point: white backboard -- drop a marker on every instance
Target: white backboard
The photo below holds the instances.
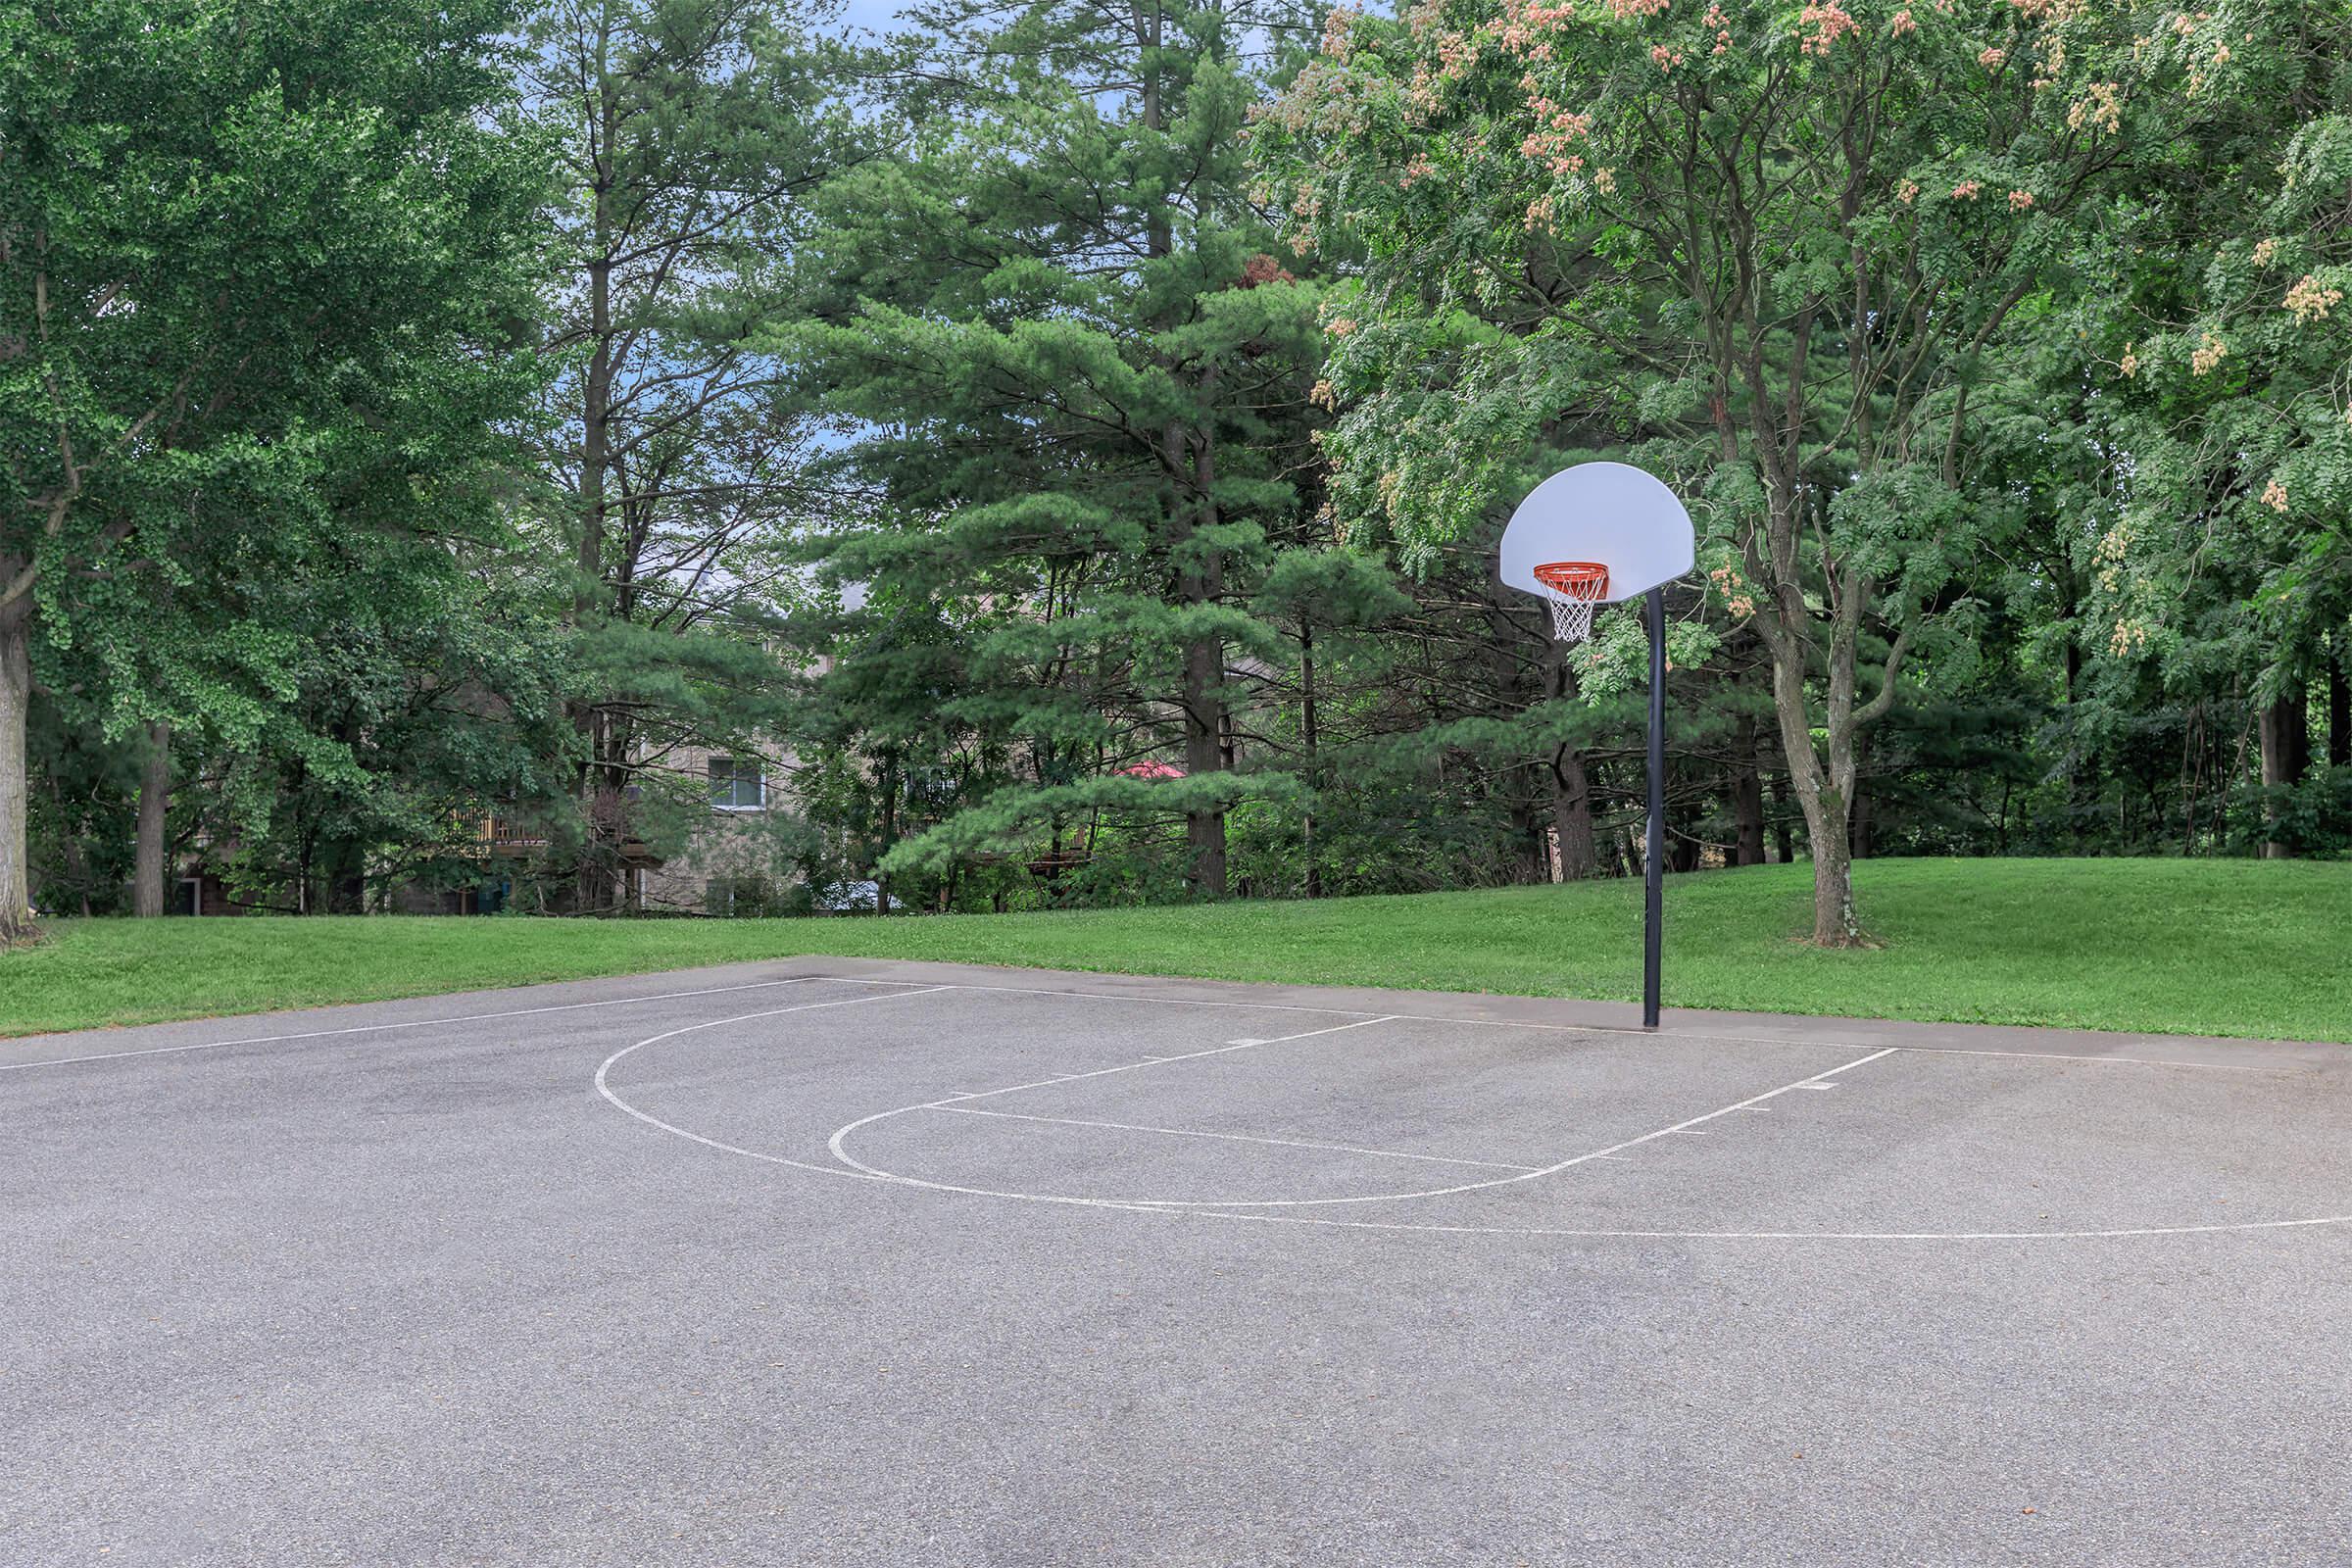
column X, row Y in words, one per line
column 1606, row 512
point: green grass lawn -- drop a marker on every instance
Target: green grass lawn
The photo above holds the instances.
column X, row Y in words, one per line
column 2204, row 947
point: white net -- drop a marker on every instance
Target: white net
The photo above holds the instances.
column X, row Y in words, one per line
column 1575, row 589
column 1571, row 618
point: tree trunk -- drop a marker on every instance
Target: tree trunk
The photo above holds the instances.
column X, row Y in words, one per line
column 1571, row 788
column 604, row 872
column 1683, row 849
column 1199, row 574
column 1204, row 715
column 1530, row 837
column 151, row 872
column 603, row 809
column 2285, row 755
column 1571, row 816
column 2339, row 703
column 2071, row 757
column 890, row 834
column 1199, row 580
column 1818, row 795
column 599, row 853
column 1857, row 809
column 15, row 699
column 69, row 849
column 1826, row 827
column 1314, row 776
column 1821, row 771
column 1686, row 848
column 1747, row 795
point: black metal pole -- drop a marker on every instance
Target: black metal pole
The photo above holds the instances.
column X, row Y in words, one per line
column 1654, row 860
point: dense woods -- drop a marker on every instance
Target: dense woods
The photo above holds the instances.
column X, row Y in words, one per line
column 1064, row 443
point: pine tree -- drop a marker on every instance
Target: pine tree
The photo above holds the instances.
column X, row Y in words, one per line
column 1084, row 381
column 689, row 134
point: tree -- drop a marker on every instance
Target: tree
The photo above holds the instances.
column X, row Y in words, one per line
column 1083, row 384
column 689, row 131
column 2221, row 565
column 424, row 704
column 1775, row 257
column 232, row 246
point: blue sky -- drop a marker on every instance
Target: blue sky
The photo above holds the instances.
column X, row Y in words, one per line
column 874, row 14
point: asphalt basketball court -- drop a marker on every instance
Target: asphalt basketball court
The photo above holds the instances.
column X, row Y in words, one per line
column 840, row 1263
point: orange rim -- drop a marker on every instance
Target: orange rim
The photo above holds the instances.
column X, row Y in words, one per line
column 1578, row 579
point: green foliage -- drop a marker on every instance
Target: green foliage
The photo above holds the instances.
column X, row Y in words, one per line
column 256, row 278
column 688, row 135
column 1845, row 278
column 258, row 265
column 468, row 412
column 1082, row 384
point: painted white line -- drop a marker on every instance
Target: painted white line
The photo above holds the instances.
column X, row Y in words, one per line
column 1743, row 1236
column 1131, row 1067
column 1166, row 1001
column 604, row 1087
column 841, row 1135
column 1233, row 1138
column 840, row 1139
column 1709, row 1035
column 1693, row 1125
column 2066, row 1055
column 1574, row 1233
column 422, row 1024
column 1712, row 1037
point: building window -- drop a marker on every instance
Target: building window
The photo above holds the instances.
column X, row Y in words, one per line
column 736, row 784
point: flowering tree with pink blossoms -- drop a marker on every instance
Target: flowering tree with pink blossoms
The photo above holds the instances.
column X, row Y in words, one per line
column 2222, row 559
column 1796, row 259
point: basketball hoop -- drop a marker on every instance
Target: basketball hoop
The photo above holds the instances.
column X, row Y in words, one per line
column 1574, row 588
column 1630, row 537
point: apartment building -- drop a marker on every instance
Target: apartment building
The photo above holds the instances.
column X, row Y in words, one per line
column 732, row 860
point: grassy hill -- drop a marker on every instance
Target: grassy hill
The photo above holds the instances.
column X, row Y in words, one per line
column 2204, row 947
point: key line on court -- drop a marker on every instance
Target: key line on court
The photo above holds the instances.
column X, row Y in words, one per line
column 1252, row 1212
column 856, row 1171
column 1694, row 1125
column 1236, row 1138
column 1172, row 1001
column 840, row 1137
column 1149, row 1061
